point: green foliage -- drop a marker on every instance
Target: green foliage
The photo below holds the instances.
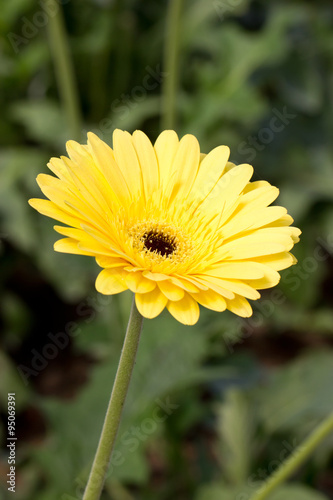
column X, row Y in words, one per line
column 237, row 396
column 42, row 120
column 299, row 394
column 221, row 491
column 235, row 426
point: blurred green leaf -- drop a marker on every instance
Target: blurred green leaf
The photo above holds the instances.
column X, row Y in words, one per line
column 240, row 63
column 10, row 381
column 298, row 393
column 43, row 120
column 236, row 427
column 17, row 318
column 218, row 491
column 297, row 493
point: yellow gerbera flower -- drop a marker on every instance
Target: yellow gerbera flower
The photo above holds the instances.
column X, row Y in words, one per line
column 176, row 227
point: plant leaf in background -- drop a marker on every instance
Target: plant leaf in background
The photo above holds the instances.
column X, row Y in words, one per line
column 222, row 491
column 243, row 388
column 236, row 427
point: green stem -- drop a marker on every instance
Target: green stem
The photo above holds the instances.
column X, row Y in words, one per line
column 296, row 459
column 64, row 68
column 171, row 66
column 113, row 414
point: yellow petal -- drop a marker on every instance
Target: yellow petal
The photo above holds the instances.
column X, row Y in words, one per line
column 50, row 209
column 86, row 174
column 186, row 284
column 150, row 304
column 240, row 306
column 104, row 159
column 59, row 194
column 268, row 216
column 110, row 281
column 55, row 190
column 138, row 283
column 155, row 276
column 133, row 269
column 295, row 233
column 185, row 311
column 79, row 155
column 215, row 284
column 69, row 231
column 229, row 166
column 166, row 146
column 171, row 291
column 255, row 249
column 96, row 248
column 258, row 243
column 255, row 185
column 76, row 208
column 228, row 188
column 148, row 162
column 186, row 280
column 238, row 287
column 105, row 261
column 268, row 281
column 210, row 170
column 237, row 270
column 84, row 240
column 278, row 261
column 285, row 220
column 251, row 220
column 127, row 160
column 91, row 185
column 292, row 232
column 69, row 245
column 210, row 299
column 106, row 242
column 58, row 167
column 258, row 194
column 185, row 167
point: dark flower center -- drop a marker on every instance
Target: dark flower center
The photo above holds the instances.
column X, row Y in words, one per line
column 159, row 242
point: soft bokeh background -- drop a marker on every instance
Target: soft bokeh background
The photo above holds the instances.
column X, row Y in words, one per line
column 213, row 409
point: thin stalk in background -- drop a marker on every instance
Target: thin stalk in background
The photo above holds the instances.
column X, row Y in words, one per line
column 64, row 69
column 113, row 414
column 171, row 64
column 296, row 459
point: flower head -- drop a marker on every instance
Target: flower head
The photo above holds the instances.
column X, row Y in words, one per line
column 176, row 227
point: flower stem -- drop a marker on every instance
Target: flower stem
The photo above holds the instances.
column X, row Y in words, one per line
column 113, row 414
column 64, row 69
column 171, row 53
column 296, row 459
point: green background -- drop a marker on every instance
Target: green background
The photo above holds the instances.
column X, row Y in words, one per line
column 213, row 409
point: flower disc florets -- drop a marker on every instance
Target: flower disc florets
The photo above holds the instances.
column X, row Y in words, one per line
column 159, row 244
